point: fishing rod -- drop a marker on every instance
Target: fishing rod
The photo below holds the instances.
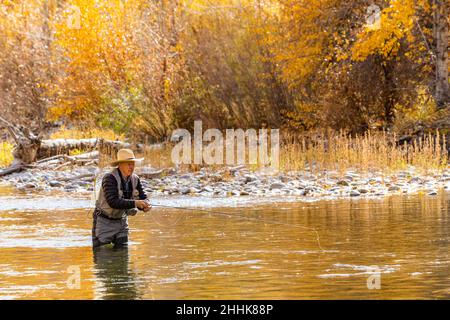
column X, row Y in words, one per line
column 245, row 218
column 237, row 216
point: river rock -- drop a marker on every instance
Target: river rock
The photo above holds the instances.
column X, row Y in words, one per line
column 194, row 190
column 55, row 184
column 208, row 189
column 285, row 179
column 343, row 183
column 355, row 193
column 69, row 187
column 235, row 193
column 253, row 183
column 23, row 179
column 277, row 185
column 299, row 192
column 184, row 190
column 250, row 178
column 216, row 177
column 415, row 180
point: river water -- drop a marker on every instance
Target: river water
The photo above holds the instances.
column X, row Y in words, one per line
column 391, row 248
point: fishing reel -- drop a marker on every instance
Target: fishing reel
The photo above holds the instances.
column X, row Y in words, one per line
column 131, row 212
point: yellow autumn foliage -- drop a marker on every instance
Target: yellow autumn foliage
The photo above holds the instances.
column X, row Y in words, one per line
column 396, row 23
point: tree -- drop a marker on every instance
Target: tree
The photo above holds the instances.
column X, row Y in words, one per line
column 441, row 21
column 350, row 72
column 25, row 56
column 116, row 65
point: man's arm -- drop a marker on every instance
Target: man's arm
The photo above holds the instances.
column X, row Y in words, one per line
column 142, row 194
column 109, row 184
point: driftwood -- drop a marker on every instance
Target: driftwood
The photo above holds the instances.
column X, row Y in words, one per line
column 56, row 147
column 51, row 148
column 81, row 159
column 87, row 175
column 11, row 169
column 31, row 151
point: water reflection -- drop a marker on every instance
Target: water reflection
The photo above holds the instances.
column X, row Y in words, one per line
column 207, row 256
column 114, row 274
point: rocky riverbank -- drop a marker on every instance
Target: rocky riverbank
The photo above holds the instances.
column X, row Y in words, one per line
column 240, row 182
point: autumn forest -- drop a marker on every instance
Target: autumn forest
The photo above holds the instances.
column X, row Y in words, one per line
column 146, row 67
column 334, row 182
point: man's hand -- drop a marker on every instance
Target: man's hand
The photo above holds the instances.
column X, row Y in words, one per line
column 149, row 206
column 142, row 205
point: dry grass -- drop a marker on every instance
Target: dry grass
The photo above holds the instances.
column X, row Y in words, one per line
column 155, row 157
column 78, row 133
column 336, row 151
column 332, row 151
column 369, row 152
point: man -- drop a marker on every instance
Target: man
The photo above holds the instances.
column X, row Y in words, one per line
column 121, row 195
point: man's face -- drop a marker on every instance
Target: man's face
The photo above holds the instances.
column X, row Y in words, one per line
column 126, row 168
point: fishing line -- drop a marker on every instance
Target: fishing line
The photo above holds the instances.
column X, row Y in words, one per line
column 226, row 215
column 247, row 218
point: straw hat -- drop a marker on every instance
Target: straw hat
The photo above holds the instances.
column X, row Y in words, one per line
column 125, row 155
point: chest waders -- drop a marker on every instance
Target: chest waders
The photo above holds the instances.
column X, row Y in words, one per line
column 109, row 224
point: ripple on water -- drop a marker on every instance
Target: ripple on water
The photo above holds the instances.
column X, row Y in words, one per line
column 39, row 237
column 20, row 291
column 365, row 270
column 250, row 259
column 43, row 203
column 219, row 263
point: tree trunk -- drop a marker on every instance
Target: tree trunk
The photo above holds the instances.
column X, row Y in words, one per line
column 389, row 94
column 26, row 149
column 441, row 37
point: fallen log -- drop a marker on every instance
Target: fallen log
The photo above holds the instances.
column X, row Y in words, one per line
column 55, row 147
column 81, row 176
column 109, row 148
column 84, row 157
column 12, row 168
column 50, row 159
column 87, row 155
column 31, row 149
